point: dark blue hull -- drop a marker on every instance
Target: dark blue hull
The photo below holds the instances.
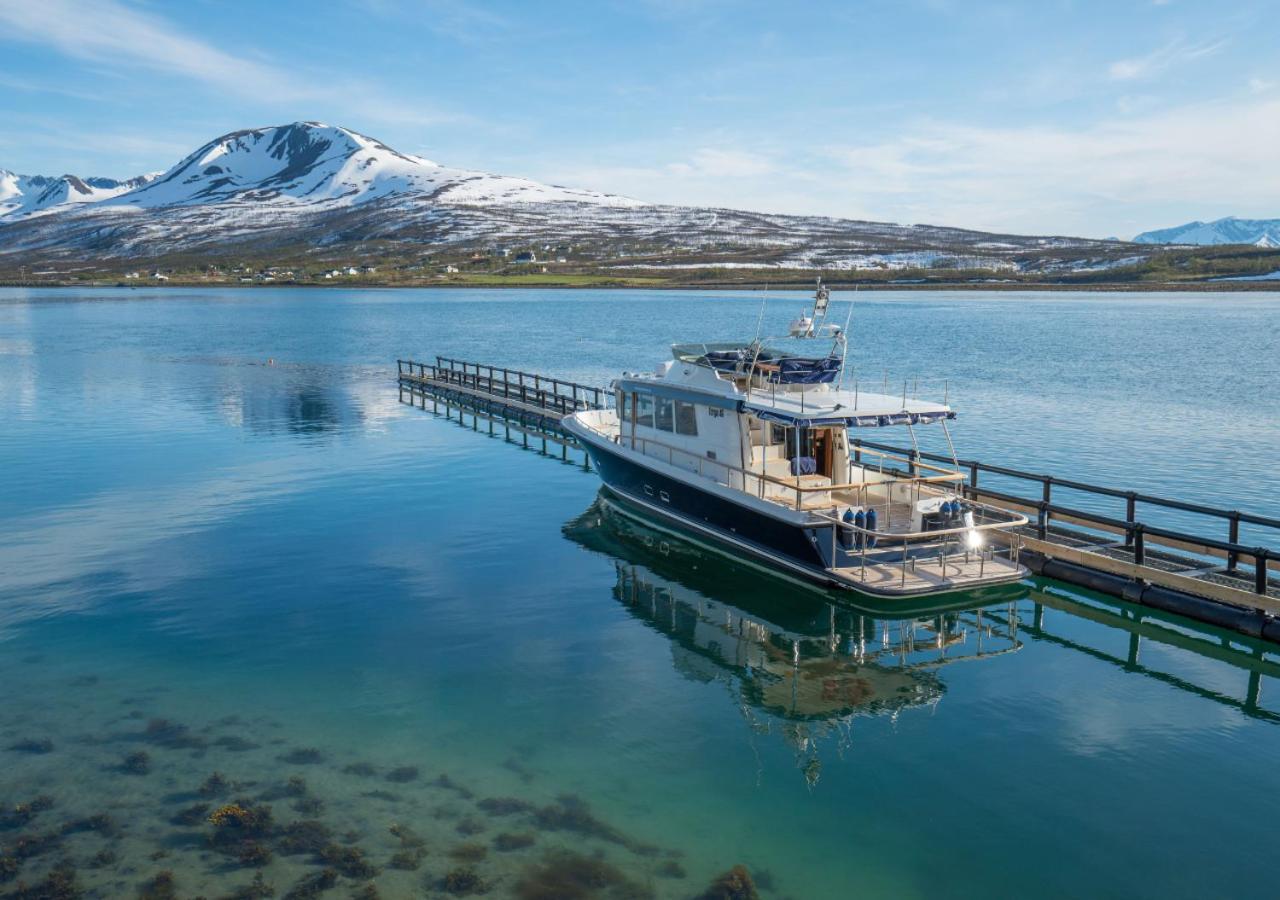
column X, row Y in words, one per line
column 801, row 549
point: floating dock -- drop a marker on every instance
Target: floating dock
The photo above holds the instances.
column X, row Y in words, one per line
column 1208, row 577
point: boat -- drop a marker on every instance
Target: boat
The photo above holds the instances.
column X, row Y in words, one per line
column 750, row 446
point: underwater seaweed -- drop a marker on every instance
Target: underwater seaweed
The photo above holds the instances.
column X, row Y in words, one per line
column 242, row 816
column 672, row 869
column 258, row 889
column 408, row 860
column 192, row 815
column 102, row 823
column 160, row 886
column 309, row 806
column 463, row 882
column 235, row 743
column 524, row 772
column 136, row 763
column 366, row 892
column 571, row 813
column 216, row 785
column 362, row 769
column 60, row 884
column 304, row 836
column 313, row 885
column 296, row 786
column 407, row 836
column 444, row 781
column 469, row 826
column 507, row 841
column 735, row 884
column 350, row 861
column 302, row 756
column 172, row 735
column 504, row 806
column 103, row 858
column 28, row 846
column 403, row 774
column 253, row 854
column 22, row 813
column 565, row 875
column 36, row 746
column 470, row 852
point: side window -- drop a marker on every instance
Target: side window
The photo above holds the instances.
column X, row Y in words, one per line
column 644, row 410
column 624, row 407
column 686, row 419
column 666, row 415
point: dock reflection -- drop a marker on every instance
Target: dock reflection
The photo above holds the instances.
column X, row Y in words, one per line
column 805, row 664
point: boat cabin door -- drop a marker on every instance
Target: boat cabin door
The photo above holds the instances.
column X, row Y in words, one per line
column 817, row 443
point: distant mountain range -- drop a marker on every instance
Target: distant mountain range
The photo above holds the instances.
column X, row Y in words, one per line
column 330, row 192
column 1259, row 232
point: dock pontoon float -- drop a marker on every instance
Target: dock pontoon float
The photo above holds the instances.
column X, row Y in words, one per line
column 748, row 445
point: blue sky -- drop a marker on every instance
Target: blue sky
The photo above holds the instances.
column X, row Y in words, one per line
column 1090, row 118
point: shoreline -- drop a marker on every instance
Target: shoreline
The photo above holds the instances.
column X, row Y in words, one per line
column 1270, row 286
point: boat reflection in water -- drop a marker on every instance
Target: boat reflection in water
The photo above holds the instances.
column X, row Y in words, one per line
column 800, row 662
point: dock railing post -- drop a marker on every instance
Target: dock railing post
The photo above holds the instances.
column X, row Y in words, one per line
column 1260, row 556
column 1234, row 537
column 1042, row 521
column 1130, row 513
column 1139, row 544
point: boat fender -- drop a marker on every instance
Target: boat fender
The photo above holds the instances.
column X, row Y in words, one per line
column 861, row 521
column 847, row 536
column 871, row 526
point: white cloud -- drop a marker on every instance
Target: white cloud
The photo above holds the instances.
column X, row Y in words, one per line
column 715, row 163
column 1094, row 180
column 106, row 31
column 1171, row 54
column 1114, row 177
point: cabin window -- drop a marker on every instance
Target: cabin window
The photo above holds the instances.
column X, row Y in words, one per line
column 624, row 408
column 666, row 415
column 686, row 419
column 644, row 410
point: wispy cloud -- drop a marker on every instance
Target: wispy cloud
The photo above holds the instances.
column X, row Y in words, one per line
column 711, row 162
column 1199, row 158
column 1172, row 54
column 107, row 31
column 460, row 20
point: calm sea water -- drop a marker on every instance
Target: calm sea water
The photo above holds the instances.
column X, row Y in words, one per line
column 215, row 511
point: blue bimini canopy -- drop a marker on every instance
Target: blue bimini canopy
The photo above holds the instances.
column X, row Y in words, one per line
column 798, row 370
column 853, row 421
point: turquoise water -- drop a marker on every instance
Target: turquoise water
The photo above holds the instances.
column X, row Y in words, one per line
column 215, row 511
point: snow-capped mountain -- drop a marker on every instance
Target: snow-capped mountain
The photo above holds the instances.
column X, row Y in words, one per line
column 317, row 165
column 1259, row 232
column 22, row 195
column 312, row 188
